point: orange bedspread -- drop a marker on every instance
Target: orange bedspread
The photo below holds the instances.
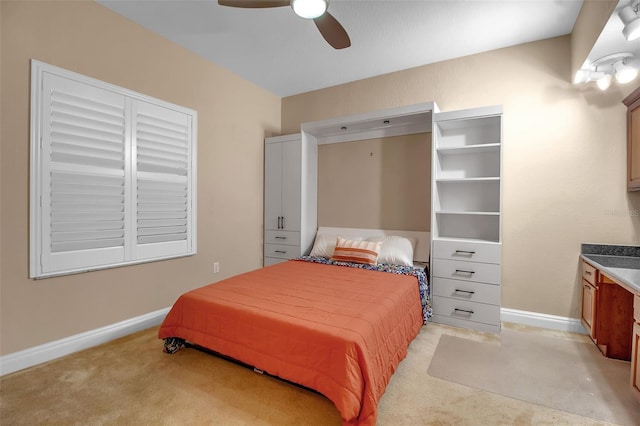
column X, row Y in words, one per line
column 341, row 331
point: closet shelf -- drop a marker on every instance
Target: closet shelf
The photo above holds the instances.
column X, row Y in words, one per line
column 472, row 179
column 466, row 217
column 469, row 213
column 468, row 240
column 469, row 149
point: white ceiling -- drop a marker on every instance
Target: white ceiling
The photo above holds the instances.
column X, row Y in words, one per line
column 286, row 54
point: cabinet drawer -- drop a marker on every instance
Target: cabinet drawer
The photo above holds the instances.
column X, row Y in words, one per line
column 589, row 273
column 467, row 291
column 268, row 261
column 467, row 250
column 467, row 271
column 281, row 251
column 465, row 310
column 288, row 238
column 636, row 308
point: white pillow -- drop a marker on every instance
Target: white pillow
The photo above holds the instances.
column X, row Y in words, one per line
column 325, row 244
column 395, row 250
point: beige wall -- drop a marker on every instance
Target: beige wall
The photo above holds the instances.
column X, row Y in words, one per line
column 564, row 162
column 234, row 117
column 382, row 183
column 564, row 157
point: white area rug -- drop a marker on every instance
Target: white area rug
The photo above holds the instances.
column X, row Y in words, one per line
column 559, row 373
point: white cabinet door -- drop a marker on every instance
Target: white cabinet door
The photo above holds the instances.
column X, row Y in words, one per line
column 282, row 185
column 291, row 184
column 272, row 185
column 290, row 196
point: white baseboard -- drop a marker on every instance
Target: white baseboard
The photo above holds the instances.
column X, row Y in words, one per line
column 56, row 349
column 536, row 319
column 59, row 348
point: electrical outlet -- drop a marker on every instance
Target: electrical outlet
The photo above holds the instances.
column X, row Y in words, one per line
column 216, row 267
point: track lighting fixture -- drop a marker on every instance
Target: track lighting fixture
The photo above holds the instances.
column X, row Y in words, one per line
column 603, row 70
column 630, row 17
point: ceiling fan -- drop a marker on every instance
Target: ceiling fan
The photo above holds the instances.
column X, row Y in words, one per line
column 328, row 26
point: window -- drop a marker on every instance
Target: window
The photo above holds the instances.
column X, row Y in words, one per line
column 113, row 175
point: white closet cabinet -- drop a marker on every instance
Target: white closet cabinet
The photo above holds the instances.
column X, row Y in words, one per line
column 290, row 196
column 466, row 218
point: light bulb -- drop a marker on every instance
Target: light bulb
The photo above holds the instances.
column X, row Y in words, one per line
column 582, row 76
column 625, row 74
column 604, row 82
column 309, row 9
column 631, row 21
column 632, row 31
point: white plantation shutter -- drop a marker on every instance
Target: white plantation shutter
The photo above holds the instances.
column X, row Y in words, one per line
column 163, row 192
column 83, row 164
column 112, row 175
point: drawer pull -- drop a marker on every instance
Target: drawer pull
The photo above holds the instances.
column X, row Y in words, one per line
column 280, row 238
column 467, row 293
column 587, row 272
column 465, row 252
column 462, row 271
column 281, row 251
column 467, row 312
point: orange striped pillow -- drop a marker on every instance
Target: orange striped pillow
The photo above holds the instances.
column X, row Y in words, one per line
column 357, row 251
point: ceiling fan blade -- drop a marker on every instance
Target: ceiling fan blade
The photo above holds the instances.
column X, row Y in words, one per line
column 252, row 4
column 332, row 31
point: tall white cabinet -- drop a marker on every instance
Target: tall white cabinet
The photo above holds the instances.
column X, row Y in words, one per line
column 290, row 196
column 466, row 218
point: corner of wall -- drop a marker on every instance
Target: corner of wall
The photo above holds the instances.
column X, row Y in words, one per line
column 591, row 20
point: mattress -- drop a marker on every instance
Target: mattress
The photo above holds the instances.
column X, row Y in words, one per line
column 339, row 330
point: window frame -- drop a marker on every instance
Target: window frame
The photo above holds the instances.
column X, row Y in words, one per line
column 40, row 217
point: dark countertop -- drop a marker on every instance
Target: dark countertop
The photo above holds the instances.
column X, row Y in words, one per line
column 626, row 262
column 620, row 263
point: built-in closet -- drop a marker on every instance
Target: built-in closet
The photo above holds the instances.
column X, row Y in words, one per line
column 466, row 188
column 290, row 196
column 466, row 249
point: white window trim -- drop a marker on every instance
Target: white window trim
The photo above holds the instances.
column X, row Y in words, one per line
column 38, row 183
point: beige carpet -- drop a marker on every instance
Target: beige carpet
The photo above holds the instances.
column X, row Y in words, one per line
column 130, row 381
column 564, row 374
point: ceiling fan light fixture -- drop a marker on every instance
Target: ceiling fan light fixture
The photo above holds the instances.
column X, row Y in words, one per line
column 309, row 9
column 629, row 17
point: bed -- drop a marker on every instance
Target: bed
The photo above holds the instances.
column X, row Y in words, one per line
column 330, row 322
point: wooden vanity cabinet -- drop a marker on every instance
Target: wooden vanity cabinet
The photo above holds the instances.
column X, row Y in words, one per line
column 589, row 298
column 635, row 349
column 633, row 140
column 614, row 328
column 635, row 361
column 611, row 316
column 606, row 312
